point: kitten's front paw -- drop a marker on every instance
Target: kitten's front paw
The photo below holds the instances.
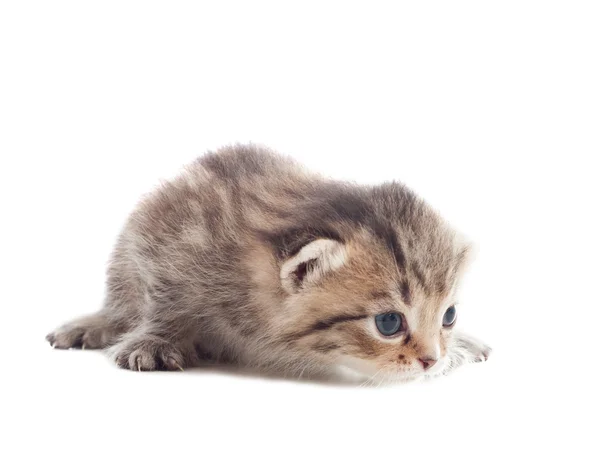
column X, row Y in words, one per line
column 482, row 354
column 147, row 353
column 92, row 332
column 465, row 349
column 474, row 350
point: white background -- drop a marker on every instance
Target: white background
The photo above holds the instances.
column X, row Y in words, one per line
column 490, row 110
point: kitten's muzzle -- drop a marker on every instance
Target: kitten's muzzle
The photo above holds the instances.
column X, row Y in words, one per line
column 427, row 362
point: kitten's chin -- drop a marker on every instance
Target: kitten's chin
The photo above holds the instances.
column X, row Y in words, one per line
column 351, row 370
column 347, row 375
column 436, row 370
column 358, row 371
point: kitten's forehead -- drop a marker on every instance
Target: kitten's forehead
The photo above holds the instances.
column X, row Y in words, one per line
column 427, row 253
column 411, row 272
column 423, row 309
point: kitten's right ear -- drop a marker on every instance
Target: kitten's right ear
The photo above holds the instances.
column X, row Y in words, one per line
column 311, row 263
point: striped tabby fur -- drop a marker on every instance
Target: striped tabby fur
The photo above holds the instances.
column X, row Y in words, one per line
column 248, row 258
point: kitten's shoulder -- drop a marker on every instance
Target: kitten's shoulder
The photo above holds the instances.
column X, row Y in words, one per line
column 247, row 160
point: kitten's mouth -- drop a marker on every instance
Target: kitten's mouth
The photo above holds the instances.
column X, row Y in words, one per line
column 366, row 373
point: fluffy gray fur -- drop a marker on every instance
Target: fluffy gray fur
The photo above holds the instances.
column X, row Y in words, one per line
column 248, row 258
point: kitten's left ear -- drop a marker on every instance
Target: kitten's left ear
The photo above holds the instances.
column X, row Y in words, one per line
column 465, row 252
column 311, row 263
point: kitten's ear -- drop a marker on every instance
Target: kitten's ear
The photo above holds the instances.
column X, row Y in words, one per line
column 465, row 252
column 311, row 263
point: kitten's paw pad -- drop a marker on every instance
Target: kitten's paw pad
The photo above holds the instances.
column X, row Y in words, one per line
column 147, row 355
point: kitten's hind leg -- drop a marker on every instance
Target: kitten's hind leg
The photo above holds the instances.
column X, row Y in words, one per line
column 92, row 331
column 465, row 349
column 145, row 350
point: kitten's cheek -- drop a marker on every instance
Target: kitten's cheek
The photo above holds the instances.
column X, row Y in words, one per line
column 349, row 375
column 355, row 367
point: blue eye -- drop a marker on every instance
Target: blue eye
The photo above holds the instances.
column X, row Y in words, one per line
column 449, row 317
column 389, row 323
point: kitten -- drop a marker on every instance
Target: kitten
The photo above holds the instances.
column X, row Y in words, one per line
column 248, row 258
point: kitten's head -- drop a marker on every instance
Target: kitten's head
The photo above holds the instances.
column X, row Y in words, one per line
column 378, row 300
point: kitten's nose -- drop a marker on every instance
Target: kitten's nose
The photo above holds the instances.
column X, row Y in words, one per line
column 427, row 362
